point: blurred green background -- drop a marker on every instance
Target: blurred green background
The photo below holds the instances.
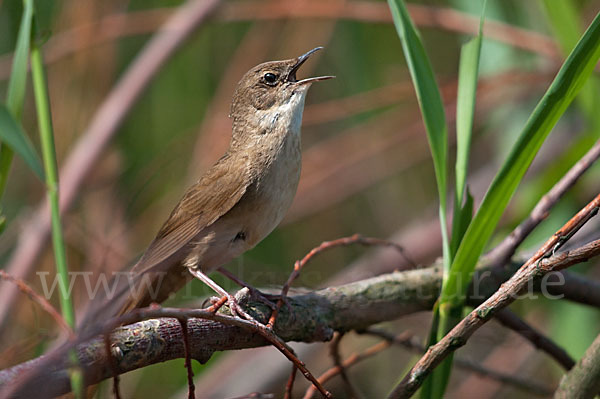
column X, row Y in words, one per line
column 366, row 168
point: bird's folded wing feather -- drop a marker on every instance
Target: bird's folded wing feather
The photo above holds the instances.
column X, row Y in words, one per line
column 210, row 198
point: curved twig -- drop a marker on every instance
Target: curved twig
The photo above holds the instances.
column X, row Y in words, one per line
column 326, row 245
column 506, row 249
column 538, row 265
column 40, row 300
column 537, row 339
column 414, row 345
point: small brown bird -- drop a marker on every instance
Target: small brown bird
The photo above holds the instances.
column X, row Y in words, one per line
column 240, row 200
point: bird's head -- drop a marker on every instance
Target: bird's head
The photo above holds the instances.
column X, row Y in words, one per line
column 271, row 85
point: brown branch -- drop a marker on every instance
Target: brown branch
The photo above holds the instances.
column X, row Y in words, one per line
column 413, row 344
column 267, row 333
column 502, row 253
column 578, row 288
column 167, row 330
column 424, row 240
column 537, row 339
column 102, row 128
column 312, row 317
column 538, row 265
column 583, row 380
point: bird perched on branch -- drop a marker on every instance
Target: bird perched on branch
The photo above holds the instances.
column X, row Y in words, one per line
column 238, row 201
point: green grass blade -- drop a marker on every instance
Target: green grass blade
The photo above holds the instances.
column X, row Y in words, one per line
column 40, row 90
column 430, row 102
column 50, row 166
column 462, row 218
column 13, row 136
column 432, row 109
column 565, row 21
column 15, row 95
column 463, row 210
column 468, row 72
column 568, row 82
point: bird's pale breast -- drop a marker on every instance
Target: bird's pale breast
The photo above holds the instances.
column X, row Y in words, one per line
column 266, row 200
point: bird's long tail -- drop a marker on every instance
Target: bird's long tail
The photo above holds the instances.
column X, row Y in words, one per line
column 131, row 291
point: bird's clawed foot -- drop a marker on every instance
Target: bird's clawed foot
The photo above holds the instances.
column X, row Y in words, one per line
column 273, row 301
column 227, row 298
column 234, row 307
column 267, row 299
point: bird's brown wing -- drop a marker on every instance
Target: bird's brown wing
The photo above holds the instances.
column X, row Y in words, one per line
column 210, row 198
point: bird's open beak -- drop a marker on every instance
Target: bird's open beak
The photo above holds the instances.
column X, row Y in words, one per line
column 299, row 61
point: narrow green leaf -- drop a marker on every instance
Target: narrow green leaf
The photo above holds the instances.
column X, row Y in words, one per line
column 430, row 102
column 18, row 76
column 461, row 222
column 465, row 110
column 565, row 21
column 462, row 215
column 13, row 136
column 568, row 82
column 15, row 95
column 564, row 18
column 2, row 223
column 468, row 73
column 44, row 117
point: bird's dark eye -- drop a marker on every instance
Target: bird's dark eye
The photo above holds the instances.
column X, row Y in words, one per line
column 270, row 78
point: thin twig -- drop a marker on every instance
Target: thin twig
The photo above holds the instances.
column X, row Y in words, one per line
column 289, row 386
column 344, row 241
column 256, row 395
column 539, row 340
column 113, row 365
column 413, row 344
column 217, row 304
column 289, row 353
column 337, row 362
column 539, row 264
column 350, row 361
column 40, row 300
column 506, row 249
column 188, row 358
